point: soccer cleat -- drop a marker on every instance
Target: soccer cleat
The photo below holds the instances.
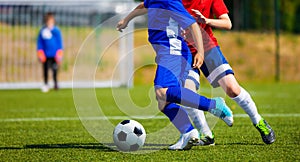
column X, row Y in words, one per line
column 266, row 132
column 222, row 111
column 206, row 141
column 186, row 141
column 45, row 88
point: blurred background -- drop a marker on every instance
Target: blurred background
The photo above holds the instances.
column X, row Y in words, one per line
column 263, row 45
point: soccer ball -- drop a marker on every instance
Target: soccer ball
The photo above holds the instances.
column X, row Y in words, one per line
column 129, row 135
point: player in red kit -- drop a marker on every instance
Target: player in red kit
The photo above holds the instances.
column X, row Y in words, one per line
column 214, row 13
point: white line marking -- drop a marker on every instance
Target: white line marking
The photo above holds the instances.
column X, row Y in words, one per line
column 122, row 117
column 267, row 115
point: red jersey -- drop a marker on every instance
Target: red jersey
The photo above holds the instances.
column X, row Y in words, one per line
column 209, row 9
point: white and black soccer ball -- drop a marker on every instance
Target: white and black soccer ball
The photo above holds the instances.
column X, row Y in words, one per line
column 129, row 135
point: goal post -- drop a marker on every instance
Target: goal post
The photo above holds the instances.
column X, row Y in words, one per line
column 126, row 51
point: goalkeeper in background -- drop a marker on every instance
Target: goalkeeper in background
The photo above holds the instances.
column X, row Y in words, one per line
column 49, row 49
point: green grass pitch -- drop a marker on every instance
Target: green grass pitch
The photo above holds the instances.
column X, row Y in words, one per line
column 29, row 131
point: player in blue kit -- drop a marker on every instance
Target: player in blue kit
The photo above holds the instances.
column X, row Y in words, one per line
column 173, row 58
column 50, row 49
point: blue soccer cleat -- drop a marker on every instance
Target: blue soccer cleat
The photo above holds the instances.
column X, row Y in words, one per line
column 222, row 111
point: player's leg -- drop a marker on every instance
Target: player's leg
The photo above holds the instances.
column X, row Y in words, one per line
column 198, row 116
column 179, row 118
column 240, row 96
column 218, row 72
column 170, row 72
column 216, row 106
column 45, row 65
column 244, row 100
column 186, row 97
column 45, row 71
column 177, row 115
column 54, row 68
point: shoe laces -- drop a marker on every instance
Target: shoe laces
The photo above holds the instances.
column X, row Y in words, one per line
column 263, row 127
column 220, row 103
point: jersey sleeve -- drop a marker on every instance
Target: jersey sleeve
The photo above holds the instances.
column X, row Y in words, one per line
column 219, row 8
column 180, row 14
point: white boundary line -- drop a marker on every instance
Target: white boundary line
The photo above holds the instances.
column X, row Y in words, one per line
column 121, row 118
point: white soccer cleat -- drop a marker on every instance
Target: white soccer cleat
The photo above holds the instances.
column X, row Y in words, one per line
column 45, row 88
column 186, row 141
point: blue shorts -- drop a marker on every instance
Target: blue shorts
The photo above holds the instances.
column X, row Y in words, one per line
column 214, row 68
column 172, row 70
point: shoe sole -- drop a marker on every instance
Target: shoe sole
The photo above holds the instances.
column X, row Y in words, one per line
column 192, row 142
column 267, row 141
column 199, row 144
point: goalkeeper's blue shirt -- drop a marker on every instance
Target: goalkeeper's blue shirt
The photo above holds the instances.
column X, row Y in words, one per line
column 50, row 41
column 166, row 18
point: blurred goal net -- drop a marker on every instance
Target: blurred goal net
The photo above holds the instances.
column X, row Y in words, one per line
column 91, row 43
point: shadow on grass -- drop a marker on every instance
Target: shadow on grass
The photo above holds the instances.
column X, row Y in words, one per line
column 241, row 144
column 151, row 146
column 106, row 147
column 147, row 146
column 99, row 146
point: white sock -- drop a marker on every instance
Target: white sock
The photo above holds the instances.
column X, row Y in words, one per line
column 199, row 120
column 245, row 101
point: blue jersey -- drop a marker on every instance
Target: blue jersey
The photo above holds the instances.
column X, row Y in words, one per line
column 50, row 41
column 166, row 18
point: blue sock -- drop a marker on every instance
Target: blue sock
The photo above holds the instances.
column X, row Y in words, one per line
column 179, row 117
column 189, row 98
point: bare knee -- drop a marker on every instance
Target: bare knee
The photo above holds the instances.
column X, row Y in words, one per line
column 232, row 90
column 230, row 86
column 161, row 98
column 189, row 84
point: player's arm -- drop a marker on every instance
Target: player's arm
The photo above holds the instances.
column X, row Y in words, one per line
column 223, row 21
column 40, row 49
column 197, row 36
column 138, row 11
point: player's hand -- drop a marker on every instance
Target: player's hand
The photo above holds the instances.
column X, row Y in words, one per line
column 58, row 57
column 200, row 18
column 122, row 24
column 41, row 56
column 198, row 60
column 42, row 59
